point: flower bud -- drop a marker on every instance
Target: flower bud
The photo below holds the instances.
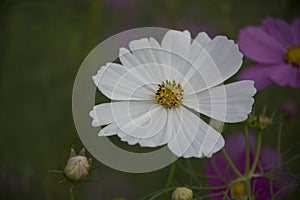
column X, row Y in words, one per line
column 182, row 193
column 77, row 167
column 263, row 122
column 251, row 119
column 260, row 122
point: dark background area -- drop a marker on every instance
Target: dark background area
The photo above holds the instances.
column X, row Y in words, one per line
column 42, row 45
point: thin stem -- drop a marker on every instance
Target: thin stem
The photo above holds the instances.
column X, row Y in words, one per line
column 247, row 164
column 292, row 159
column 71, row 193
column 170, row 179
column 236, row 171
column 155, row 195
column 257, row 153
column 189, row 171
column 55, row 171
column 279, row 143
column 171, row 174
column 247, row 142
column 208, row 187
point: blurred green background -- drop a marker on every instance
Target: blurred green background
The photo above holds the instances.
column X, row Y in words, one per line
column 42, row 45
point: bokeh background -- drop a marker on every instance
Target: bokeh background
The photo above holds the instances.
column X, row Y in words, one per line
column 42, row 45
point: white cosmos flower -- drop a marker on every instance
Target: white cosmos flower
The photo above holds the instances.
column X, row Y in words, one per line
column 160, row 90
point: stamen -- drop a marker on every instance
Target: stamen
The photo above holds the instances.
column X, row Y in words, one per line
column 239, row 189
column 169, row 94
column 292, row 55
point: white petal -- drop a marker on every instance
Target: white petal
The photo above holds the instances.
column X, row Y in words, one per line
column 120, row 83
column 162, row 137
column 135, row 122
column 143, row 51
column 178, row 43
column 107, row 113
column 127, row 59
column 198, row 45
column 226, row 103
column 113, row 129
column 109, row 130
column 145, row 125
column 146, row 51
column 173, row 54
column 194, row 138
column 216, row 61
column 148, row 129
column 175, row 50
column 160, row 53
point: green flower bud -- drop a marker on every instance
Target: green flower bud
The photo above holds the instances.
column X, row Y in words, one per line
column 251, row 119
column 182, row 193
column 263, row 122
column 77, row 167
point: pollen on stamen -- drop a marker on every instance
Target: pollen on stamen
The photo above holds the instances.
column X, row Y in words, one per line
column 169, row 94
column 239, row 189
column 292, row 55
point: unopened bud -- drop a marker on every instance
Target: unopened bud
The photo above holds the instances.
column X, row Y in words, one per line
column 251, row 119
column 77, row 167
column 260, row 122
column 182, row 193
column 263, row 122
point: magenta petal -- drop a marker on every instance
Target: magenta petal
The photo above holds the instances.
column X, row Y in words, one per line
column 259, row 74
column 278, row 29
column 256, row 44
column 219, row 173
column 215, row 170
column 296, row 31
column 269, row 158
column 235, row 145
column 217, row 194
column 218, row 167
column 261, row 187
column 286, row 74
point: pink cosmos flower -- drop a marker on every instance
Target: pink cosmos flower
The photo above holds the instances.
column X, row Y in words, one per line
column 220, row 174
column 275, row 45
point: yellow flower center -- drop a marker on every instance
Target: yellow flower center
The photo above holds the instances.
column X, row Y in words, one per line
column 239, row 189
column 169, row 94
column 292, row 55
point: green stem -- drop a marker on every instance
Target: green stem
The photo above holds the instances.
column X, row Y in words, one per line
column 247, row 165
column 55, row 171
column 247, row 142
column 257, row 153
column 71, row 193
column 171, row 174
column 279, row 143
column 236, row 171
column 170, row 179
